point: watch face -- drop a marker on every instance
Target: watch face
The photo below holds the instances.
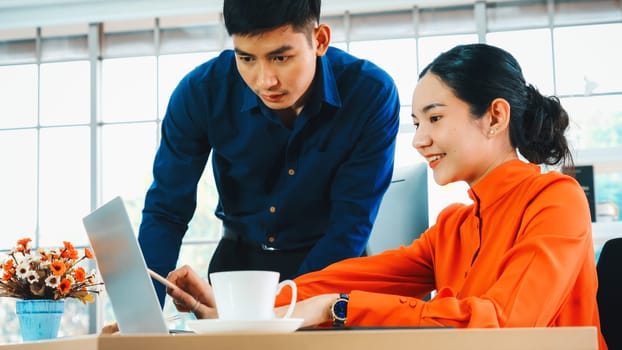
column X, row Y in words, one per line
column 340, row 308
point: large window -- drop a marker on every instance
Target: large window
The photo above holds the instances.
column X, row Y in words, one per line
column 532, row 49
column 81, row 107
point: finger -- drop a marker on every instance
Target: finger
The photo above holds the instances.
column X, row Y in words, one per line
column 182, row 279
column 196, row 306
column 184, row 302
column 181, row 296
column 204, row 311
column 110, row 329
column 183, row 275
column 180, row 307
column 190, row 282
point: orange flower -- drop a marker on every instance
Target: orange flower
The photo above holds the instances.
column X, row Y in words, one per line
column 6, row 276
column 88, row 253
column 24, row 241
column 58, row 268
column 68, row 245
column 65, row 286
column 79, row 274
column 69, row 251
column 22, row 245
column 8, row 265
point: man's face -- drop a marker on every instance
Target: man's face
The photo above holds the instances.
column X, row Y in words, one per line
column 279, row 65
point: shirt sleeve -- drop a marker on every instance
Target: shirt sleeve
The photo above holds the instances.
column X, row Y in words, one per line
column 536, row 275
column 171, row 200
column 359, row 183
column 395, row 272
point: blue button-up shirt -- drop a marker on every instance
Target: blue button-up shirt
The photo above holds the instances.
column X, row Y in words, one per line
column 316, row 185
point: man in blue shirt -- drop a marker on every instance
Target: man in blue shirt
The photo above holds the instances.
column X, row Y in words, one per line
column 302, row 138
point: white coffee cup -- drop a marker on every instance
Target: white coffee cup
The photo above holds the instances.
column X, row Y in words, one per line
column 249, row 295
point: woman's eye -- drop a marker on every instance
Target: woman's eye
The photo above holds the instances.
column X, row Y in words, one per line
column 435, row 118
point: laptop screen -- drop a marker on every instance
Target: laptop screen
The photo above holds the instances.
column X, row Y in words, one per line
column 123, row 270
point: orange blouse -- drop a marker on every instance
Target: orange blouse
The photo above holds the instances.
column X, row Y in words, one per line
column 520, row 256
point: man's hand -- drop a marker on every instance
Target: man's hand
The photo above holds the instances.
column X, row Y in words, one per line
column 193, row 294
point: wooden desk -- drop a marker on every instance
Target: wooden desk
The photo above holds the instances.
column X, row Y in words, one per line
column 567, row 338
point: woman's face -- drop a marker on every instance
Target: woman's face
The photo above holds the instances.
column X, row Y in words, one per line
column 456, row 145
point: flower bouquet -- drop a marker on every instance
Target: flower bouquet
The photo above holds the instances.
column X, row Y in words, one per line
column 51, row 274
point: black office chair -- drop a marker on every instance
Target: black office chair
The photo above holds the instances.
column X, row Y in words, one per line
column 609, row 296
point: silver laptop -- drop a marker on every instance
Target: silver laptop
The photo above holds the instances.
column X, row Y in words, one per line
column 123, row 270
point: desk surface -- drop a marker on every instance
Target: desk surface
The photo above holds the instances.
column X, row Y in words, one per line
column 567, row 338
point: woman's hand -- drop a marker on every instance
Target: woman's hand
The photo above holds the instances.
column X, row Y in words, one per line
column 110, row 329
column 315, row 310
column 193, row 293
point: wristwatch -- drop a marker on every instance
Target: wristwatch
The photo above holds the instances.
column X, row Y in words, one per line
column 339, row 310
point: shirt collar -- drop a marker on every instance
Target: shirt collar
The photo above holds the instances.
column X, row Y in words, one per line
column 326, row 79
column 325, row 89
column 250, row 100
column 500, row 181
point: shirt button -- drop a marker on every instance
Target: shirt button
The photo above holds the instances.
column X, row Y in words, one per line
column 291, row 171
column 273, row 209
column 271, row 239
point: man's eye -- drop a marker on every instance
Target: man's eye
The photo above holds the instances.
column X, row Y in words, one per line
column 245, row 58
column 280, row 58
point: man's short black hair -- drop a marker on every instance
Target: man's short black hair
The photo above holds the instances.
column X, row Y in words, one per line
column 252, row 17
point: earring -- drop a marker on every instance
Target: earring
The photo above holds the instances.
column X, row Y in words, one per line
column 491, row 132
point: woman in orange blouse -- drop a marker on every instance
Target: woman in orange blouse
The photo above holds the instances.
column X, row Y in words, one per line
column 521, row 255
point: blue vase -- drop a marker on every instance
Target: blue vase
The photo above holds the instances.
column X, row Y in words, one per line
column 39, row 319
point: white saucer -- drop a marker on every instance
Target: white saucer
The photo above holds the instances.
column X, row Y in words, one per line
column 277, row 325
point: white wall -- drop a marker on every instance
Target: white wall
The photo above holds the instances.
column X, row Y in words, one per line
column 35, row 13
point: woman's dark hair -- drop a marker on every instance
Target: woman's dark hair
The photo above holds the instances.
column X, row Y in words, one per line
column 252, row 17
column 480, row 73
